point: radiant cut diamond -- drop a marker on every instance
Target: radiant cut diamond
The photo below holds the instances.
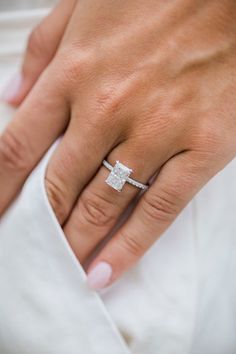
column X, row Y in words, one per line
column 118, row 176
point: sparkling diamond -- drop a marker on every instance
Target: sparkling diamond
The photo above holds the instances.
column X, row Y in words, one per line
column 118, row 176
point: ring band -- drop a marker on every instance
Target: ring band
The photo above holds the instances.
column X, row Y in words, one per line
column 119, row 175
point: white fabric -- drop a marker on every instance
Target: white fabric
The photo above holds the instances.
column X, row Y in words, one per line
column 13, row 5
column 180, row 298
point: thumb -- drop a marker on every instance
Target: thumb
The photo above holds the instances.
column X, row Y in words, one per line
column 41, row 48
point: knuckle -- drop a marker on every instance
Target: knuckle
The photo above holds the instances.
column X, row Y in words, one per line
column 114, row 98
column 209, row 138
column 37, row 41
column 75, row 68
column 211, row 141
column 161, row 206
column 130, row 244
column 57, row 199
column 96, row 210
column 207, row 144
column 14, row 153
column 109, row 101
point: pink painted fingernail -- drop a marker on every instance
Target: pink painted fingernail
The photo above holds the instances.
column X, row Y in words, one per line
column 99, row 276
column 12, row 88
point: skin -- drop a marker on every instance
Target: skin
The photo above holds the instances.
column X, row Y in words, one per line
column 149, row 83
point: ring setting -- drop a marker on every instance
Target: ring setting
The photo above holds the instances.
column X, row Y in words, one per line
column 119, row 175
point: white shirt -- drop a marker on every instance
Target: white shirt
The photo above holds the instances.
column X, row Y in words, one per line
column 179, row 299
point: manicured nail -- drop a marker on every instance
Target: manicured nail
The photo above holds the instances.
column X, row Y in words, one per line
column 12, row 89
column 99, row 276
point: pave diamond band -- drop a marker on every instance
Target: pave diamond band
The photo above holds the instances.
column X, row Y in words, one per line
column 119, row 175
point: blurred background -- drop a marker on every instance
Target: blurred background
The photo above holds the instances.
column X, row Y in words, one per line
column 6, row 5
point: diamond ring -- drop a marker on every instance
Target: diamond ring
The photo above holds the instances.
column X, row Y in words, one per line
column 119, row 175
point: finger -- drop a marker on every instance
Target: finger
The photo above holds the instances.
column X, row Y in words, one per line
column 38, row 122
column 99, row 206
column 74, row 163
column 42, row 45
column 178, row 181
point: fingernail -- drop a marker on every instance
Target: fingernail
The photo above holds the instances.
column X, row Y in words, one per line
column 12, row 88
column 99, row 276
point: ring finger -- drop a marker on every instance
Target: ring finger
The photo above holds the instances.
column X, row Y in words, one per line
column 100, row 206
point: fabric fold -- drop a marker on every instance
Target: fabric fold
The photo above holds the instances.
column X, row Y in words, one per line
column 179, row 298
column 44, row 287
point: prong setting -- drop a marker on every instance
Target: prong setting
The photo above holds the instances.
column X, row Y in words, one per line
column 118, row 176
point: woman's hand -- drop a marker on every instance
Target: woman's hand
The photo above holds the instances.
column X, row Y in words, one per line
column 149, row 83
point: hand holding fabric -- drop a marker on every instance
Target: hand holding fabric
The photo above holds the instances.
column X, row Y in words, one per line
column 151, row 84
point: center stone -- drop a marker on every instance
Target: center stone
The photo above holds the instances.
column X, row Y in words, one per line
column 118, row 176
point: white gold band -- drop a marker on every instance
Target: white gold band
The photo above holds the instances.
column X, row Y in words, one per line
column 120, row 175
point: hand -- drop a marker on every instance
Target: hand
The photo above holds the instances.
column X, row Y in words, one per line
column 149, row 83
